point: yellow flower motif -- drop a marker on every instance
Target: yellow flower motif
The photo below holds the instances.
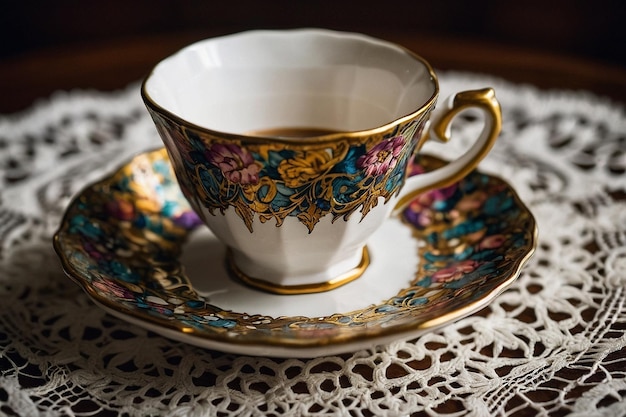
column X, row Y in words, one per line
column 311, row 165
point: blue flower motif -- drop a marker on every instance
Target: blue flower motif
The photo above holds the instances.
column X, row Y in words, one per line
column 322, row 204
column 424, row 282
column 346, row 189
column 467, row 227
column 169, row 208
column 409, row 299
column 223, row 323
column 419, row 301
column 82, row 225
column 211, row 179
column 349, row 163
column 281, row 199
column 195, row 303
column 120, row 271
column 498, row 204
column 396, row 178
column 386, row 308
column 200, row 322
column 162, row 167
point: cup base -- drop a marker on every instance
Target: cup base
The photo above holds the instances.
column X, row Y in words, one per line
column 317, row 287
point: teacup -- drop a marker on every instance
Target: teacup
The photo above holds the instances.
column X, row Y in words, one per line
column 294, row 146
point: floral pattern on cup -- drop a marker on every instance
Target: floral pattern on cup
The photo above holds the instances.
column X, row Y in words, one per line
column 273, row 180
column 121, row 240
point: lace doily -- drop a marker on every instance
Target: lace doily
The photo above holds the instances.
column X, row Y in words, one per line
column 552, row 344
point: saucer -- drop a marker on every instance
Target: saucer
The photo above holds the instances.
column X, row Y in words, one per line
column 137, row 249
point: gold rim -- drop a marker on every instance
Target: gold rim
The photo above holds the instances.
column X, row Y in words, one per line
column 318, row 287
column 427, row 106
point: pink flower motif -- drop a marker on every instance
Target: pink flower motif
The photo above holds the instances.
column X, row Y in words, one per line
column 382, row 157
column 419, row 213
column 472, row 201
column 492, row 242
column 454, row 272
column 111, row 288
column 237, row 165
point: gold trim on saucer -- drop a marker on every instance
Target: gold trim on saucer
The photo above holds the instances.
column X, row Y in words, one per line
column 267, row 286
column 133, row 269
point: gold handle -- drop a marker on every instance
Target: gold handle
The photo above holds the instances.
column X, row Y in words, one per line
column 485, row 100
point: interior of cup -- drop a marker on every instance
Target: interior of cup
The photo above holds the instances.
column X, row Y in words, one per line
column 261, row 80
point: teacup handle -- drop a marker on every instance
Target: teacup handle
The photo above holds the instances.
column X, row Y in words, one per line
column 440, row 121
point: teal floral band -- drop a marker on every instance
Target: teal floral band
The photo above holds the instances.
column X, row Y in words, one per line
column 276, row 179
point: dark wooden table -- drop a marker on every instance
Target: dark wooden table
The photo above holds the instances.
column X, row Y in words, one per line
column 113, row 64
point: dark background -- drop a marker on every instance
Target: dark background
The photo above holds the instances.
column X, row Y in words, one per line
column 54, row 30
column 595, row 29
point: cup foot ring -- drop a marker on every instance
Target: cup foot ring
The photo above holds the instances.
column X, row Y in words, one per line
column 317, row 287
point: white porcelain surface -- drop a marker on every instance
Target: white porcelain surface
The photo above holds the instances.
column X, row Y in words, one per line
column 266, row 79
column 394, row 253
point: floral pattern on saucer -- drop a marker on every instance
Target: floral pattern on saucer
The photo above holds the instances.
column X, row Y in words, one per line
column 121, row 239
